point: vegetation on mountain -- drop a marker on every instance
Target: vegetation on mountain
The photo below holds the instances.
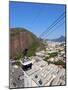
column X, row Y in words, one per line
column 21, row 39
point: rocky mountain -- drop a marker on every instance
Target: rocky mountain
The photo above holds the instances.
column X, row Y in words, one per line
column 60, row 39
column 21, row 39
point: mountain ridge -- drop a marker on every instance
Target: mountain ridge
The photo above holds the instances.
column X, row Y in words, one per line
column 59, row 39
column 21, row 39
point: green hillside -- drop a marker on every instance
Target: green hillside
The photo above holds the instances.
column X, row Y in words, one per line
column 33, row 44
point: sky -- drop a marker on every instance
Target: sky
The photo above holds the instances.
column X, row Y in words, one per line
column 37, row 17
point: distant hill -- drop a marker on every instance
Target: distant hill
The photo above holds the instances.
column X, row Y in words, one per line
column 21, row 39
column 60, row 39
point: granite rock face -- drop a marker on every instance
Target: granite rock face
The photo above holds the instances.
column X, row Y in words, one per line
column 20, row 39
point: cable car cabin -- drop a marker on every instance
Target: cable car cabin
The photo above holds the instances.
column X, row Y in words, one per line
column 26, row 65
